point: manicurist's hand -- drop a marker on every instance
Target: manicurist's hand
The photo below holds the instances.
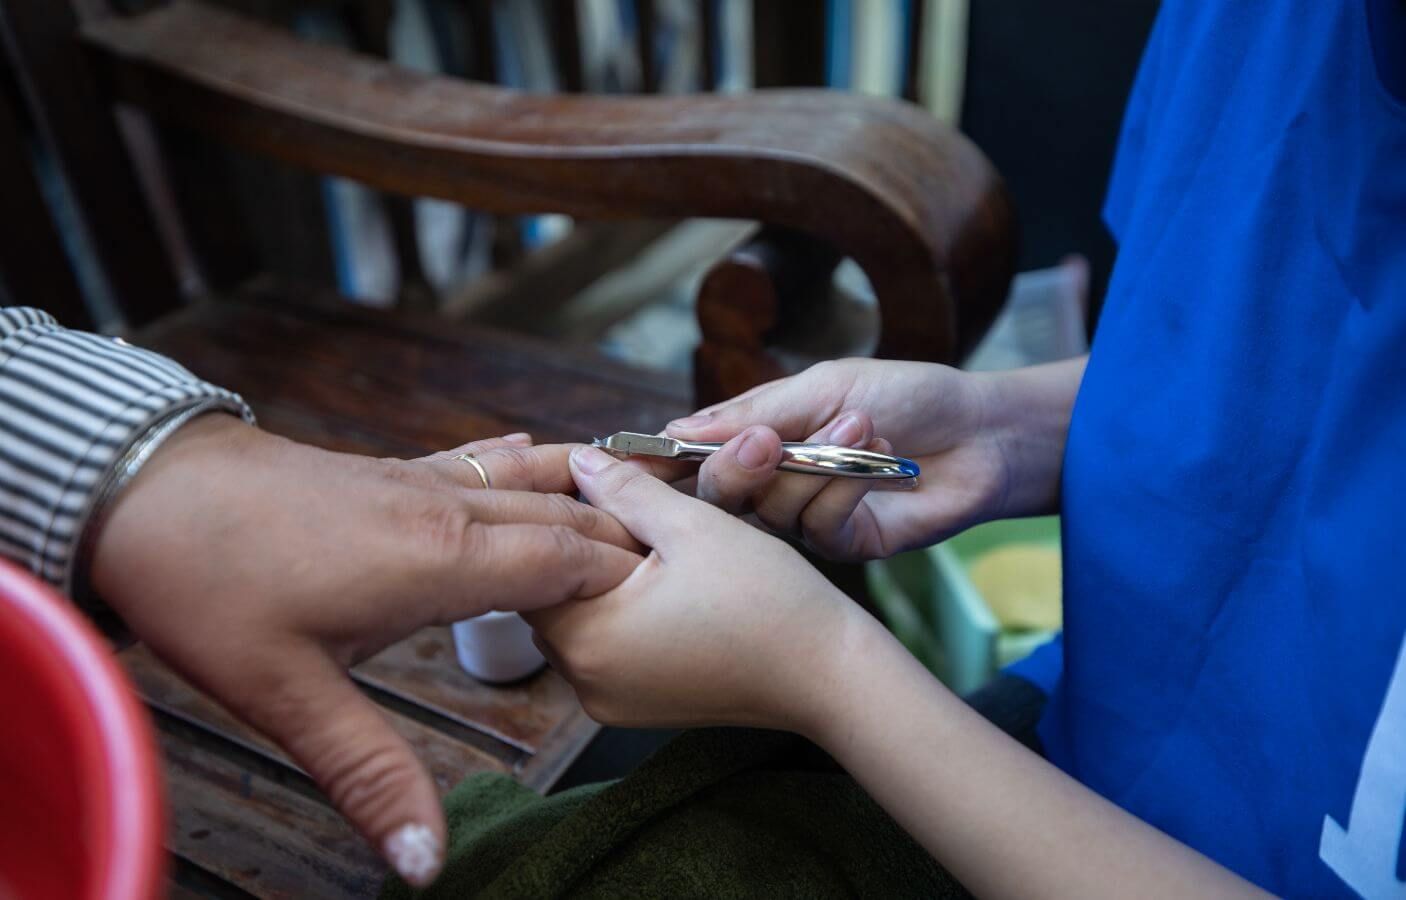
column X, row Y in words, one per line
column 990, row 446
column 721, row 624
column 261, row 569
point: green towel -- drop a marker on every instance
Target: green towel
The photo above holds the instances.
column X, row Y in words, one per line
column 715, row 813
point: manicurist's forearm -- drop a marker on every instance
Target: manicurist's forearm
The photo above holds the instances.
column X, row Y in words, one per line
column 1026, row 413
column 1002, row 820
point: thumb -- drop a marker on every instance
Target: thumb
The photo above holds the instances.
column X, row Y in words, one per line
column 368, row 771
column 653, row 512
column 744, row 466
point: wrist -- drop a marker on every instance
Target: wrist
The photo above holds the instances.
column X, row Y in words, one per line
column 836, row 677
column 1025, row 416
column 134, row 514
column 874, row 682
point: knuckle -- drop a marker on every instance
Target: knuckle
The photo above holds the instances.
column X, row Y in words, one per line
column 811, row 524
column 483, row 445
column 449, row 531
column 567, row 545
column 627, row 481
column 816, row 517
column 366, row 778
column 271, row 694
column 572, row 513
column 777, row 517
column 511, row 466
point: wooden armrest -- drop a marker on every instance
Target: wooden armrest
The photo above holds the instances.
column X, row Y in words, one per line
column 915, row 204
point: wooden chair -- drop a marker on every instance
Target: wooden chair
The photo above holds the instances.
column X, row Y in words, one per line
column 521, row 286
column 824, row 175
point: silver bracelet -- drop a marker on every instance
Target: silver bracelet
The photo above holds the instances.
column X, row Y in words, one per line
column 77, row 582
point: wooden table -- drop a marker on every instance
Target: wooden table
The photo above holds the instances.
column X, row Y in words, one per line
column 244, row 819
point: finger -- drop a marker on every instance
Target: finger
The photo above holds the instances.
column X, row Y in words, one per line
column 790, row 406
column 669, row 471
column 528, row 508
column 524, row 567
column 447, row 461
column 780, row 505
column 516, row 439
column 666, row 470
column 653, row 512
column 511, row 466
column 745, row 395
column 745, row 465
column 828, row 521
column 366, row 769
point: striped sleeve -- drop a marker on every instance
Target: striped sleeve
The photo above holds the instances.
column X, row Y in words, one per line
column 71, row 403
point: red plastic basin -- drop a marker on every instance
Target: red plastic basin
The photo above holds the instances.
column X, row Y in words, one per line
column 81, row 812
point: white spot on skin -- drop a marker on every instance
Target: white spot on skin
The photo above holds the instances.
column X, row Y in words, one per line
column 414, row 852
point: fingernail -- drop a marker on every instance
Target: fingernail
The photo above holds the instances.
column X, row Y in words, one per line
column 518, row 437
column 590, row 460
column 414, row 851
column 691, row 421
column 846, row 431
column 754, row 452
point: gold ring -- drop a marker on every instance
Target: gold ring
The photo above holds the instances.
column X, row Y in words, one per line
column 478, row 467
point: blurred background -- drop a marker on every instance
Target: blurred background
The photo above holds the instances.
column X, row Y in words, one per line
column 1038, row 85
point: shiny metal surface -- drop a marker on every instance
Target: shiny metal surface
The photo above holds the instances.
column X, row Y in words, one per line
column 812, row 459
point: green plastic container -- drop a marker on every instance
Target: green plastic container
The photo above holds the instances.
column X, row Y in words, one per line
column 927, row 599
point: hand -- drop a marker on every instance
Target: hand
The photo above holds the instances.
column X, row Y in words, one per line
column 990, row 446
column 931, row 413
column 722, row 624
column 261, row 569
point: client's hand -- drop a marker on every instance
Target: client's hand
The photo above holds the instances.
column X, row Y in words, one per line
column 990, row 446
column 261, row 569
column 722, row 624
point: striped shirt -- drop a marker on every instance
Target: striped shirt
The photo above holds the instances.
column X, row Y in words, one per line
column 71, row 403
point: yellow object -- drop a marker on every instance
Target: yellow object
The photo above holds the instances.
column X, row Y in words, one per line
column 1021, row 585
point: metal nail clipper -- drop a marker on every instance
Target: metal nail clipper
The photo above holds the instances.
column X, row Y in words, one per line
column 812, row 459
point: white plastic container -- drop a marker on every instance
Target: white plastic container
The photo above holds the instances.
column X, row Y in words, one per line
column 496, row 647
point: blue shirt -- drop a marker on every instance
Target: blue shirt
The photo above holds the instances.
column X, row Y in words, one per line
column 1235, row 479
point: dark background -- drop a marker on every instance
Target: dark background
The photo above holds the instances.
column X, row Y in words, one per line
column 1046, row 85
